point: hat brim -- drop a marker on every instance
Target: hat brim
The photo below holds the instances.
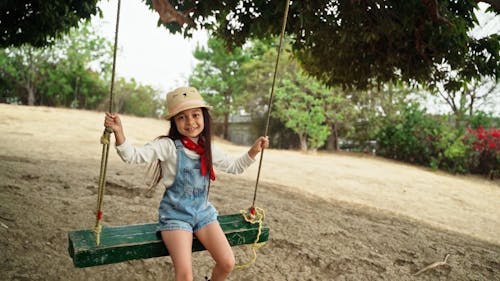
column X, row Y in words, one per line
column 185, row 106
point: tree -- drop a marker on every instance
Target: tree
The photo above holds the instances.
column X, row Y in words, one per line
column 340, row 115
column 371, row 108
column 258, row 75
column 20, row 73
column 299, row 105
column 465, row 100
column 136, row 99
column 217, row 76
column 291, row 118
column 293, row 99
column 357, row 43
column 74, row 61
column 38, row 22
column 63, row 75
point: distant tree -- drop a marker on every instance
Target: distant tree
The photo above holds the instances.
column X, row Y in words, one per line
column 465, row 100
column 295, row 92
column 340, row 115
column 20, row 73
column 136, row 99
column 299, row 99
column 258, row 73
column 218, row 78
column 299, row 105
column 74, row 61
column 371, row 108
column 64, row 74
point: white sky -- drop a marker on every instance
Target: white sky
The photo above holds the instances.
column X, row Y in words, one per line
column 147, row 53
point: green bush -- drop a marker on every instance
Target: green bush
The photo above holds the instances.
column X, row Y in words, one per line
column 411, row 137
column 417, row 137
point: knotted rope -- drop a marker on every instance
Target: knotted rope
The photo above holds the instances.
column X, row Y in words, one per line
column 106, row 142
column 258, row 218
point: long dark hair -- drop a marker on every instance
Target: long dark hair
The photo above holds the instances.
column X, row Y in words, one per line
column 155, row 173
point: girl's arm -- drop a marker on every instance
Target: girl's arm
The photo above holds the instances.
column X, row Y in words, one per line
column 227, row 164
column 159, row 149
column 260, row 143
column 112, row 121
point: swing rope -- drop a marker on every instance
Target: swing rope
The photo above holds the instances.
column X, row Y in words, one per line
column 105, row 141
column 256, row 215
column 271, row 97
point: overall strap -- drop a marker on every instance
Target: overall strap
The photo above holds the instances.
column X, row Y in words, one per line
column 178, row 144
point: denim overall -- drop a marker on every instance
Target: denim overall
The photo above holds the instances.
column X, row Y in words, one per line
column 184, row 205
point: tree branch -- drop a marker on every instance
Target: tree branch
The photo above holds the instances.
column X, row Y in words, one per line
column 168, row 13
column 433, row 9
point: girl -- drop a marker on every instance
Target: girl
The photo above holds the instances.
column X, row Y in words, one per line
column 185, row 160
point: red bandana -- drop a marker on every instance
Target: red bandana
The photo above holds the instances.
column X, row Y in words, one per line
column 199, row 148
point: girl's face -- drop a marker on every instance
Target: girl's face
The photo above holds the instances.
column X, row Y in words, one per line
column 190, row 122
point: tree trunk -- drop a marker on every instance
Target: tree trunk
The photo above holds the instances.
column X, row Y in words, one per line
column 30, row 89
column 226, row 126
column 227, row 104
column 303, row 142
column 335, row 137
column 31, row 95
column 330, row 142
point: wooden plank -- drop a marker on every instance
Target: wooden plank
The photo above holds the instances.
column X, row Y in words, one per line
column 142, row 241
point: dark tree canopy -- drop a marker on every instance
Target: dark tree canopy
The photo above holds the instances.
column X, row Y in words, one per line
column 39, row 22
column 355, row 43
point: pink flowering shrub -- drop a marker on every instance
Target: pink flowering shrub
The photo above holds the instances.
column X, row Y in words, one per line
column 485, row 145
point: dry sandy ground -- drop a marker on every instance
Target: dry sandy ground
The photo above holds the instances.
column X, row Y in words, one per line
column 332, row 216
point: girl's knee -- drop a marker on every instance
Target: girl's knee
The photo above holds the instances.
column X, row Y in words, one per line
column 183, row 273
column 227, row 265
column 184, row 276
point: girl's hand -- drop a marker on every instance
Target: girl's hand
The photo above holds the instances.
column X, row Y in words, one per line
column 112, row 121
column 258, row 146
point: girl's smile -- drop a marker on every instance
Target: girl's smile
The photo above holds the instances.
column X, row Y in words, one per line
column 190, row 122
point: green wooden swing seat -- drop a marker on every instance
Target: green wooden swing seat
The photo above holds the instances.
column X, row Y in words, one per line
column 142, row 241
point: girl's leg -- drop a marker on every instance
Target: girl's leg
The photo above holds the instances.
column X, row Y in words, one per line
column 214, row 240
column 179, row 244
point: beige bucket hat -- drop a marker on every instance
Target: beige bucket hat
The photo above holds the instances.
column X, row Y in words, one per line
column 183, row 98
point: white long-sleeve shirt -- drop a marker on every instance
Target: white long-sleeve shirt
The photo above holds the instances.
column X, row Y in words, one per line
column 164, row 149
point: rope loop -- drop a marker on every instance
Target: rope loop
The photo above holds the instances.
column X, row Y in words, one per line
column 254, row 215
